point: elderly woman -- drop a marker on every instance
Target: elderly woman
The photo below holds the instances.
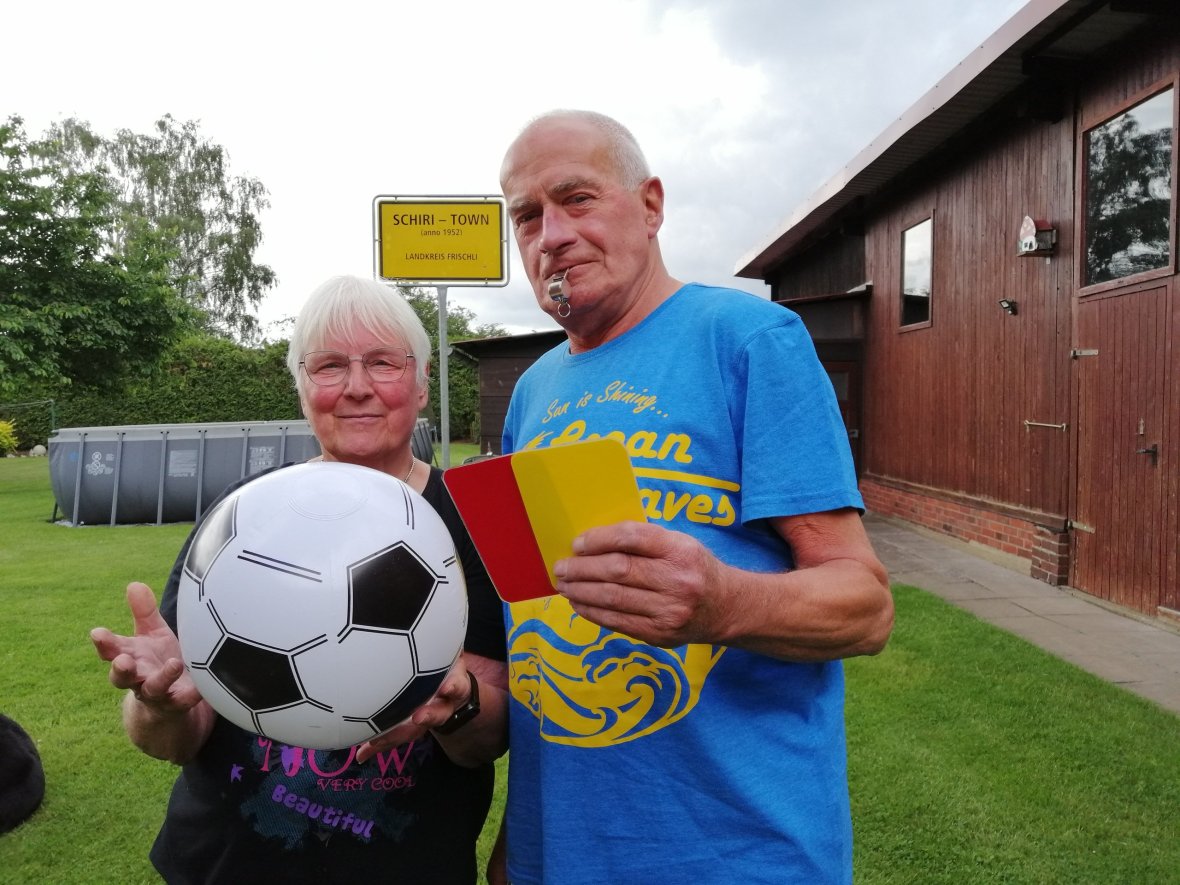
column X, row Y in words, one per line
column 359, row 358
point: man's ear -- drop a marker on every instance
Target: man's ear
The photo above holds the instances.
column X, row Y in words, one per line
column 652, row 194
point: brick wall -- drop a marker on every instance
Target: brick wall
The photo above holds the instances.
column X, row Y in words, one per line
column 1046, row 550
column 1050, row 556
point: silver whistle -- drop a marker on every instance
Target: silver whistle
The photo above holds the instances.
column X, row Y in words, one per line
column 555, row 286
column 556, row 293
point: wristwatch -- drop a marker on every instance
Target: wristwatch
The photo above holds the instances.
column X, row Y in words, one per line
column 465, row 713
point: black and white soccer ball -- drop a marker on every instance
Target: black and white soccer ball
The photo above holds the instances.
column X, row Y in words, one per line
column 321, row 604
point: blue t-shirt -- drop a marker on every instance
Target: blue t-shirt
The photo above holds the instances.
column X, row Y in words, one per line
column 632, row 763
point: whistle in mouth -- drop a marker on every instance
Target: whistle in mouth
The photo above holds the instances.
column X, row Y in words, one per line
column 555, row 287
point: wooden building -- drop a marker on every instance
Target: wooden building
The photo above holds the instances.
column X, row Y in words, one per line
column 992, row 284
column 501, row 362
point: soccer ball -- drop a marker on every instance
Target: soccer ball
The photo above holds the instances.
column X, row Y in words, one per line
column 321, row 604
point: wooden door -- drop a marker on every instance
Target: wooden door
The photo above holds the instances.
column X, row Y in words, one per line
column 1124, row 537
column 845, row 377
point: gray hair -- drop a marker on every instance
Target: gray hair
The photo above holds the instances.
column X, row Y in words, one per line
column 625, row 153
column 342, row 303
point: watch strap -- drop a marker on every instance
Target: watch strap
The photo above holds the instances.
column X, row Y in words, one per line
column 464, row 713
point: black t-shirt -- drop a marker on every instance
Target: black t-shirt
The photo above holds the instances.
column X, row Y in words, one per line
column 250, row 810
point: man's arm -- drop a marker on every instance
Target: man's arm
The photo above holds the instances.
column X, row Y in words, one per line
column 666, row 588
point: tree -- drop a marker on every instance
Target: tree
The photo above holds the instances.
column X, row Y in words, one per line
column 462, row 376
column 179, row 183
column 69, row 309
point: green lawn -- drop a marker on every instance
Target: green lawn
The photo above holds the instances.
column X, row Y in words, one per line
column 974, row 757
column 977, row 758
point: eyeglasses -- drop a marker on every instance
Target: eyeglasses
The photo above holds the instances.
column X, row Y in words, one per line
column 383, row 364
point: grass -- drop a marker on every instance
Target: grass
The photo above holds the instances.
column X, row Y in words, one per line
column 974, row 757
column 104, row 800
column 457, row 452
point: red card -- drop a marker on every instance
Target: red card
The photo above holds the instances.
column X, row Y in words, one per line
column 489, row 502
column 524, row 510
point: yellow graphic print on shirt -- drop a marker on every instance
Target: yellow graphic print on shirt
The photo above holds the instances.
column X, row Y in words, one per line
column 598, row 688
column 589, row 686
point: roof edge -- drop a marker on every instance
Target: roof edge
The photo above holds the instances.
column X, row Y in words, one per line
column 754, row 264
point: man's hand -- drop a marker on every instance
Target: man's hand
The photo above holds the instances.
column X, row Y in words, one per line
column 653, row 584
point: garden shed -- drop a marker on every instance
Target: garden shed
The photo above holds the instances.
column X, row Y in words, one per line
column 501, row 361
column 992, row 284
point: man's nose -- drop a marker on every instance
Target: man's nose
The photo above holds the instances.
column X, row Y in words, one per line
column 556, row 230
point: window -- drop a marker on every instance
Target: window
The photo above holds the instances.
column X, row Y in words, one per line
column 916, row 273
column 1128, row 191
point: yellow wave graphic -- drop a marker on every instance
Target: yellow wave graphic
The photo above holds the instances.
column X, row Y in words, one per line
column 598, row 688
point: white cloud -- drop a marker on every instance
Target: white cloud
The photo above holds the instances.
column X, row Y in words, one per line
column 744, row 108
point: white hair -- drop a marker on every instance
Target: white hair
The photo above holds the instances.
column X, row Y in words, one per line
column 337, row 306
column 626, row 155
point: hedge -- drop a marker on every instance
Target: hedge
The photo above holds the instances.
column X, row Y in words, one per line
column 199, row 380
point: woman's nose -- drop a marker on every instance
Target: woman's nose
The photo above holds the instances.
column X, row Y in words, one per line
column 357, row 382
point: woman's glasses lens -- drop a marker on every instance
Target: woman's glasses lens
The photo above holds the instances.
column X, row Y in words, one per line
column 328, row 367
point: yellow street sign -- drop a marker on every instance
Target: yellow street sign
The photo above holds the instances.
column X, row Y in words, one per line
column 441, row 240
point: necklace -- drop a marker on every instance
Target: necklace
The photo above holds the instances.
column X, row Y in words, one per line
column 413, row 464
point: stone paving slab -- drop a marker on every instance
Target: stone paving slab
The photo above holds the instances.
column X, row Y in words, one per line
column 1127, row 649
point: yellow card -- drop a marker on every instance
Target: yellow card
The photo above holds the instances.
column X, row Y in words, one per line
column 568, row 489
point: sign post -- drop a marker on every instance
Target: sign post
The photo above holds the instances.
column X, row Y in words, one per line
column 440, row 242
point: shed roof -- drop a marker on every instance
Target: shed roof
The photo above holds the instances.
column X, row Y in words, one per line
column 480, row 347
column 1044, row 38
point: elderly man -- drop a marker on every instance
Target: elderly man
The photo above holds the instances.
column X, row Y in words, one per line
column 677, row 708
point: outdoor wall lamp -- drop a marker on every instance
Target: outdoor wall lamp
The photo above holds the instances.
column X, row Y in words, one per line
column 1009, row 306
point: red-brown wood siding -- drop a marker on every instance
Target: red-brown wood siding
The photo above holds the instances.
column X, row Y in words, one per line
column 835, row 265
column 1132, row 556
column 945, row 405
column 497, row 377
column 501, row 363
column 1170, row 462
column 984, row 408
column 1121, row 548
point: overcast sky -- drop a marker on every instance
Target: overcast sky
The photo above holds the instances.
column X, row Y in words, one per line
column 744, row 107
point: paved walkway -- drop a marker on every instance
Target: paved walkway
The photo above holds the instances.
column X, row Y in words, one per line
column 1136, row 653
